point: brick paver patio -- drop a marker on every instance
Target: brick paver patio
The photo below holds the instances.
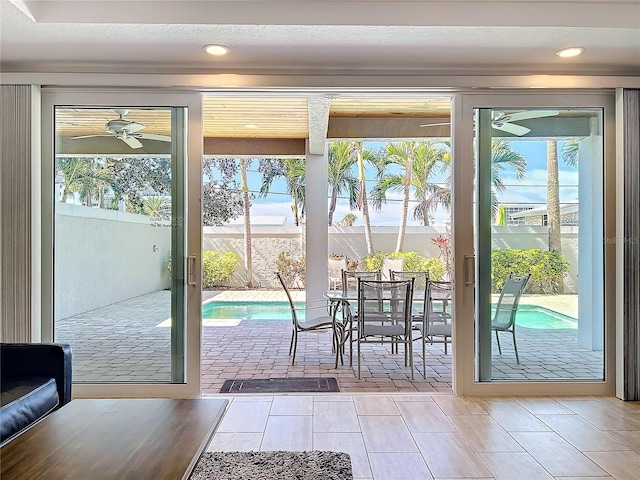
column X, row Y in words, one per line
column 130, row 342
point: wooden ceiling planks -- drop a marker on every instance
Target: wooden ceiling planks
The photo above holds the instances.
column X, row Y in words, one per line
column 252, row 117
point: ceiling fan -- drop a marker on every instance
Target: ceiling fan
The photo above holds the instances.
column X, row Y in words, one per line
column 504, row 121
column 127, row 131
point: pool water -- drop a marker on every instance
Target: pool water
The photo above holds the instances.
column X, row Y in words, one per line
column 534, row 316
column 529, row 316
column 250, row 310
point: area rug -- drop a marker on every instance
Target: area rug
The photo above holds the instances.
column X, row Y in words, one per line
column 281, row 385
column 273, row 466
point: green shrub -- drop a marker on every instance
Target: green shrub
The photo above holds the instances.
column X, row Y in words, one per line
column 217, row 267
column 292, row 270
column 412, row 263
column 547, row 269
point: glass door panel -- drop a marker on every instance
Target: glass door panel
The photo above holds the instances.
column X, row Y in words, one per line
column 539, row 220
column 119, row 242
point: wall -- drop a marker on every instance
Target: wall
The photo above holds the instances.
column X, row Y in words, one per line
column 105, row 256
column 268, row 242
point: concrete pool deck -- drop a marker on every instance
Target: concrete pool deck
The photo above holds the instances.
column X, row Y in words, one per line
column 127, row 342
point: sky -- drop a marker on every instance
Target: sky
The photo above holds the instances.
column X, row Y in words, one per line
column 531, row 190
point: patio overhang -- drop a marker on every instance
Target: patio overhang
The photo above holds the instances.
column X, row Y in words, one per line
column 279, row 126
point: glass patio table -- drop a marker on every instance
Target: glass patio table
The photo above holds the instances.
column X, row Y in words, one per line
column 341, row 301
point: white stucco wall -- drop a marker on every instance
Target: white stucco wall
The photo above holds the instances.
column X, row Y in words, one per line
column 105, row 256
column 269, row 241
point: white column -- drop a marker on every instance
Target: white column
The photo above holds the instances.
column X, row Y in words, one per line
column 316, row 232
column 590, row 245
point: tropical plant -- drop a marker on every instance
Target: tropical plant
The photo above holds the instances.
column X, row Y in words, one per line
column 342, row 157
column 293, row 171
column 443, row 242
column 348, row 220
column 547, row 269
column 413, row 262
column 292, row 270
column 217, row 268
column 84, row 176
column 157, row 207
column 419, row 162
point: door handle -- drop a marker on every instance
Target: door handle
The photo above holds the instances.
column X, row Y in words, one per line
column 191, row 270
column 469, row 270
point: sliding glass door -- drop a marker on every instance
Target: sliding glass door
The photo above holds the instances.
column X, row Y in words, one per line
column 541, row 299
column 119, row 292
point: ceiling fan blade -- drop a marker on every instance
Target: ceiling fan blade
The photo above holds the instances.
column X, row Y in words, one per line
column 511, row 128
column 131, row 141
column 435, row 124
column 132, row 127
column 516, row 117
column 88, row 136
column 154, row 136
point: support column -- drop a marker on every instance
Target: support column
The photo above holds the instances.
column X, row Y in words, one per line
column 316, row 233
column 590, row 245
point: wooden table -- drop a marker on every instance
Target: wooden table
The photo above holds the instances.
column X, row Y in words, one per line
column 114, row 439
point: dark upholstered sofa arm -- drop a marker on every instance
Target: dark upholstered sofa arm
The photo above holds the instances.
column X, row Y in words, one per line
column 50, row 360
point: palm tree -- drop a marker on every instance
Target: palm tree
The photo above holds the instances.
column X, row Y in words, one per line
column 362, row 203
column 419, row 161
column 157, row 207
column 342, row 157
column 294, row 171
column 83, row 176
column 570, row 153
column 553, row 197
column 502, row 157
column 570, row 157
column 248, row 263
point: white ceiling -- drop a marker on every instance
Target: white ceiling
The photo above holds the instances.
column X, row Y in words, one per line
column 289, row 36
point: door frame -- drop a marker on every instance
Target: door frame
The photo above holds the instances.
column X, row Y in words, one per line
column 192, row 102
column 464, row 361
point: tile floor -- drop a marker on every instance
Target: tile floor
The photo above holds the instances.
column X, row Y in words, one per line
column 427, row 436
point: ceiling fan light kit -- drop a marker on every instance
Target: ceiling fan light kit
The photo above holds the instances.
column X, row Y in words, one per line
column 127, row 131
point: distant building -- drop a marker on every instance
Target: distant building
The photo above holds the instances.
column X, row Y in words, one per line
column 513, row 208
column 569, row 215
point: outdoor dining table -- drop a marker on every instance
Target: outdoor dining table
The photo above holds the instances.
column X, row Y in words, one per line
column 343, row 299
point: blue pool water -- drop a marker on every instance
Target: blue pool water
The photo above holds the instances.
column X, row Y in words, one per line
column 529, row 316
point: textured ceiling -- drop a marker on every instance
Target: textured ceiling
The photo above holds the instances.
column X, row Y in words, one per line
column 483, row 37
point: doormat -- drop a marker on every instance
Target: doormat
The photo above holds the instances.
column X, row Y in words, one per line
column 281, row 385
column 273, row 465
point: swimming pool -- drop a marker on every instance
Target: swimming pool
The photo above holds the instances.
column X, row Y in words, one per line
column 529, row 316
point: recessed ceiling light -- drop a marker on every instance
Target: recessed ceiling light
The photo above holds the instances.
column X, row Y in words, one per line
column 251, row 125
column 216, row 50
column 570, row 52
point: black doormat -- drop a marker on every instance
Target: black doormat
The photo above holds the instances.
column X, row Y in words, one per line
column 314, row 465
column 281, row 385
